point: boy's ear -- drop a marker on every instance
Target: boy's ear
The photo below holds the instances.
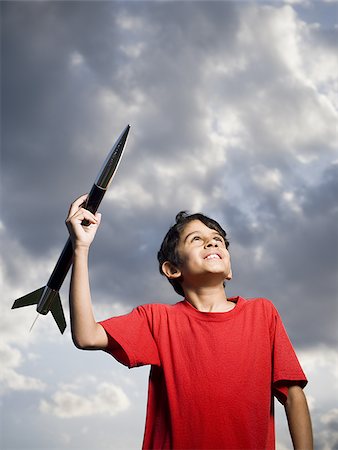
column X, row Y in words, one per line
column 229, row 276
column 170, row 271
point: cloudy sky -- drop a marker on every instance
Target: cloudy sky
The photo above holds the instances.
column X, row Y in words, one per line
column 233, row 110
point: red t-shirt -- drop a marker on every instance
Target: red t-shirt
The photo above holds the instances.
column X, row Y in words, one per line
column 213, row 375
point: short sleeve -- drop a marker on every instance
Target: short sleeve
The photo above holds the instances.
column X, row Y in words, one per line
column 130, row 338
column 287, row 370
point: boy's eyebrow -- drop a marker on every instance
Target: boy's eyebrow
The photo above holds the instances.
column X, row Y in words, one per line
column 192, row 232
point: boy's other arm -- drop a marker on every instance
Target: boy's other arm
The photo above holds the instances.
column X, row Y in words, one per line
column 86, row 333
column 299, row 421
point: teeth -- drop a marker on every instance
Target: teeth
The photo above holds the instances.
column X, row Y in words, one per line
column 213, row 257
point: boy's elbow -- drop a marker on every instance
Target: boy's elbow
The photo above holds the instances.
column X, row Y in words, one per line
column 95, row 340
column 79, row 343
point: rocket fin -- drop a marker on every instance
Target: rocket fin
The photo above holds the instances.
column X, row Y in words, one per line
column 29, row 299
column 57, row 311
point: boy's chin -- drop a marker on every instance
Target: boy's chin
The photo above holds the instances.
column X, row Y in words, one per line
column 220, row 277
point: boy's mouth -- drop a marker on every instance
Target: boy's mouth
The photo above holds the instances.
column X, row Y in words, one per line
column 213, row 256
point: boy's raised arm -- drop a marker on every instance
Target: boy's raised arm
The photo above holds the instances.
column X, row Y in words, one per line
column 86, row 333
column 298, row 417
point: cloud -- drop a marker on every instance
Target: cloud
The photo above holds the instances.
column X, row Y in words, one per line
column 320, row 364
column 108, row 399
column 234, row 124
column 328, row 437
column 331, row 418
column 11, row 360
column 233, row 107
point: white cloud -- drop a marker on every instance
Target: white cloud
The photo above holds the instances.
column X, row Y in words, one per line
column 108, row 399
column 10, row 360
column 294, row 103
column 16, row 381
column 132, row 193
column 128, row 22
column 321, row 361
column 326, row 440
column 330, row 417
column 76, row 59
column 225, row 130
column 296, row 2
column 240, row 88
column 280, row 24
column 320, row 365
column 267, row 179
column 19, row 276
column 292, row 201
column 9, row 357
column 134, row 50
column 110, row 308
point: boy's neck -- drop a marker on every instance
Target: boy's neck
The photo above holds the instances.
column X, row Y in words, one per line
column 208, row 299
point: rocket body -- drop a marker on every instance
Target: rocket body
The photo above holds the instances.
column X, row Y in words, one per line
column 47, row 298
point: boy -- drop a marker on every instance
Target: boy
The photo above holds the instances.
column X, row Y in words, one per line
column 215, row 362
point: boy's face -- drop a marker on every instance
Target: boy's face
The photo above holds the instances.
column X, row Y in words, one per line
column 203, row 255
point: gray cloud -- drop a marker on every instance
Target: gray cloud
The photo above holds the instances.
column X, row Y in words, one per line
column 233, row 111
column 190, row 80
column 221, row 117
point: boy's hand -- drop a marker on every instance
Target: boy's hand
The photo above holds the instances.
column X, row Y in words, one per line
column 82, row 236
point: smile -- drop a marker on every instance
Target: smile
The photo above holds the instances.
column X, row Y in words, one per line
column 213, row 256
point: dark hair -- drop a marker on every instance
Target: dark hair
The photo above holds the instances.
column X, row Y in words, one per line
column 168, row 250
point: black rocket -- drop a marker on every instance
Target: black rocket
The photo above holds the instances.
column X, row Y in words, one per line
column 47, row 298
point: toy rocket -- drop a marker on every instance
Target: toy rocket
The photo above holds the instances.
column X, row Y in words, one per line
column 47, row 298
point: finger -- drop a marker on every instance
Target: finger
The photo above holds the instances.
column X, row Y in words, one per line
column 96, row 220
column 74, row 207
column 96, row 223
column 84, row 215
column 81, row 217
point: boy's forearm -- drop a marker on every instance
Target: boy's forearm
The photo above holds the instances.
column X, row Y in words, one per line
column 299, row 420
column 83, row 323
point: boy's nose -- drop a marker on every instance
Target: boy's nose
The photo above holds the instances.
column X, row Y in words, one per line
column 212, row 243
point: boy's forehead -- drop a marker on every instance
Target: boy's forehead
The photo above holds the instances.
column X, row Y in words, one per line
column 195, row 226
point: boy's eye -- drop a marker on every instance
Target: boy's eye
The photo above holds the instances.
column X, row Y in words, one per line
column 196, row 239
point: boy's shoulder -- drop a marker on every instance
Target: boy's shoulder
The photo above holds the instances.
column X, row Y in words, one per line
column 151, row 308
column 261, row 302
column 264, row 308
